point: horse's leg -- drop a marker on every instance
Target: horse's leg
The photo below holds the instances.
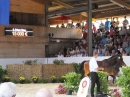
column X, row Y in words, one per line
column 113, row 79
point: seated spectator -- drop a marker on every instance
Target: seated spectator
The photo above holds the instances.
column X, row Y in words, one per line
column 68, row 55
column 103, row 49
column 124, row 53
column 7, row 89
column 104, row 39
column 113, row 53
column 77, row 49
column 124, row 43
column 127, row 48
column 120, row 48
column 83, row 54
column 108, row 38
column 107, row 53
column 79, row 54
column 44, row 92
column 112, row 32
column 82, row 49
column 62, row 26
column 122, row 32
column 72, row 51
column 100, row 53
column 60, row 55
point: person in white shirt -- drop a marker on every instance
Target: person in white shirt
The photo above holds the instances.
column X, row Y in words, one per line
column 7, row 89
column 93, row 67
column 125, row 22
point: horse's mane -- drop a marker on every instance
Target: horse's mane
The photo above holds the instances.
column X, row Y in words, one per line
column 115, row 56
column 113, row 59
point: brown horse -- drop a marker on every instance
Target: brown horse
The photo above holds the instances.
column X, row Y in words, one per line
column 110, row 65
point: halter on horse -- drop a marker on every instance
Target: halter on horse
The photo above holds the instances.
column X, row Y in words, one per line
column 111, row 66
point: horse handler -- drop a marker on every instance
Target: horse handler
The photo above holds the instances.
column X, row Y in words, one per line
column 93, row 67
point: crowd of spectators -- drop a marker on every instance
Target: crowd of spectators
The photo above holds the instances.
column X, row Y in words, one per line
column 108, row 40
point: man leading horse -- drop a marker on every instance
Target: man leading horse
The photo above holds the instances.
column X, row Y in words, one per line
column 93, row 67
column 111, row 65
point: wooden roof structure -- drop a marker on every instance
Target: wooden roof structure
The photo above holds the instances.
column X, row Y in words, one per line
column 77, row 9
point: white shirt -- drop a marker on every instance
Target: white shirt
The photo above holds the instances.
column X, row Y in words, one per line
column 93, row 65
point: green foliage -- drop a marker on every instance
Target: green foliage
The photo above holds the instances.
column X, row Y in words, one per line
column 3, row 72
column 43, row 81
column 22, row 79
column 14, row 81
column 35, row 79
column 124, row 81
column 53, row 79
column 103, row 81
column 27, row 81
column 61, row 79
column 76, row 65
column 58, row 62
column 6, row 79
column 30, row 62
column 72, row 81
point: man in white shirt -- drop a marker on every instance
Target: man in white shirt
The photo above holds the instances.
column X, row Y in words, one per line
column 93, row 67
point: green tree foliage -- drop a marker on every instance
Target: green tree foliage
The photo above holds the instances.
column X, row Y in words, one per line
column 124, row 81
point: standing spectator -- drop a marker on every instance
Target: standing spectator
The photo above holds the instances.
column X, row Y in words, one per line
column 107, row 24
column 102, row 26
column 117, row 23
column 113, row 23
column 94, row 29
column 125, row 22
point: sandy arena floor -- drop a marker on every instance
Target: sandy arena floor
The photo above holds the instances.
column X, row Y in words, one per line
column 29, row 90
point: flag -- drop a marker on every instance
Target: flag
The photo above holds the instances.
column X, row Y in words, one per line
column 4, row 12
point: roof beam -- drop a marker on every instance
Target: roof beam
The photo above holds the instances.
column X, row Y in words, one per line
column 121, row 3
column 44, row 2
column 114, row 13
column 71, row 11
column 63, row 4
column 106, row 8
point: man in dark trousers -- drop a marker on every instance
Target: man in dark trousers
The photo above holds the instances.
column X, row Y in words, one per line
column 93, row 67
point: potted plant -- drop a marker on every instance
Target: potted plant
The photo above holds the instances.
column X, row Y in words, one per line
column 35, row 79
column 6, row 79
column 72, row 80
column 21, row 79
column 53, row 79
column 60, row 89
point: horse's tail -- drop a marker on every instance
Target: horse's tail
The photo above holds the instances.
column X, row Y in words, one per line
column 81, row 69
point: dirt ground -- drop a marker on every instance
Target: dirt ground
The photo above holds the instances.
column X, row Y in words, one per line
column 29, row 90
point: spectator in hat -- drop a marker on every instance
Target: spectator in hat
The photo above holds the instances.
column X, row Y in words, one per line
column 44, row 92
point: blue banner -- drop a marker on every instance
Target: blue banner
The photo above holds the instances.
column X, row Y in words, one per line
column 4, row 12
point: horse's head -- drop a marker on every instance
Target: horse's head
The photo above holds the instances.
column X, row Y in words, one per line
column 118, row 59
